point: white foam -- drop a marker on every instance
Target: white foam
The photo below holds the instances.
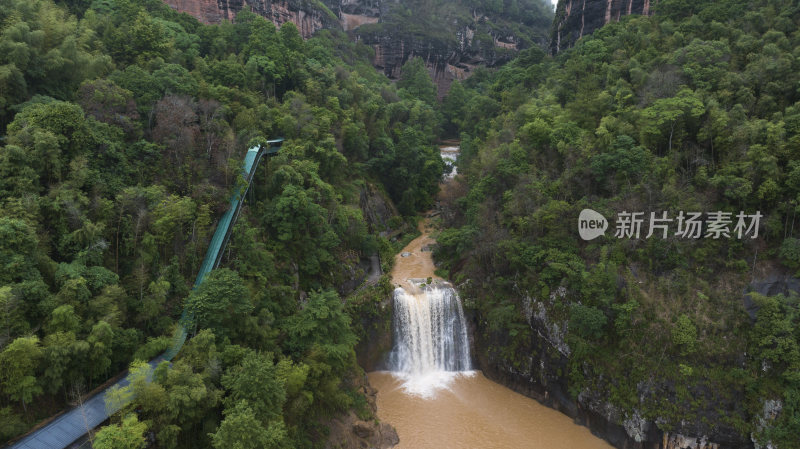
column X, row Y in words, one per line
column 427, row 385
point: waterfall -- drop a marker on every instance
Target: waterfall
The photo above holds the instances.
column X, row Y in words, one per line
column 431, row 343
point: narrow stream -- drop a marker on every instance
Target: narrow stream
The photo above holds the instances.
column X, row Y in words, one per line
column 431, row 395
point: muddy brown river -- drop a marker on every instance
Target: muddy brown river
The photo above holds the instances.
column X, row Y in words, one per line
column 464, row 410
column 474, row 412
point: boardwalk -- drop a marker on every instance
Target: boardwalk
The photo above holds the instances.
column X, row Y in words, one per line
column 72, row 425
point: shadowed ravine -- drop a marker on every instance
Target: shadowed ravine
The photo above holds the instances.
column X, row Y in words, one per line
column 431, row 396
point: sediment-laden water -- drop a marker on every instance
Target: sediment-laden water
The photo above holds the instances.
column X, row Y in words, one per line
column 431, row 395
column 472, row 412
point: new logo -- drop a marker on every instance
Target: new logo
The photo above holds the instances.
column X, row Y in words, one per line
column 591, row 224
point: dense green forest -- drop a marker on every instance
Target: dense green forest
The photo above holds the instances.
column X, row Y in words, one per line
column 696, row 108
column 123, row 129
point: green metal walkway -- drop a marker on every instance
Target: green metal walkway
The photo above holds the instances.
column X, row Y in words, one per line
column 70, row 426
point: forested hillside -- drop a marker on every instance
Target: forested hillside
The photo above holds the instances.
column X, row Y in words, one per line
column 693, row 109
column 451, row 36
column 123, row 128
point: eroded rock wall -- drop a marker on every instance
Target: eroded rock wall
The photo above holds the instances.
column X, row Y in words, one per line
column 538, row 370
column 307, row 19
column 577, row 18
column 461, row 45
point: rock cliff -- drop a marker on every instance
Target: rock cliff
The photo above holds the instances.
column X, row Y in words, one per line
column 577, row 18
column 309, row 16
column 452, row 36
column 541, row 375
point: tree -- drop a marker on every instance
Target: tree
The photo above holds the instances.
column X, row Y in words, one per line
column 64, row 319
column 190, row 397
column 129, row 434
column 220, row 303
column 139, row 40
column 242, row 430
column 773, row 333
column 12, row 316
column 255, row 380
column 290, row 37
column 624, row 163
column 667, row 114
column 107, row 102
column 587, row 321
column 453, row 108
column 100, row 339
column 18, row 244
column 64, row 361
column 300, row 223
column 415, row 82
column 684, row 335
column 322, row 325
column 53, row 132
column 18, row 363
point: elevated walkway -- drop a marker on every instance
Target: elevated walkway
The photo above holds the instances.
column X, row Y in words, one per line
column 70, row 426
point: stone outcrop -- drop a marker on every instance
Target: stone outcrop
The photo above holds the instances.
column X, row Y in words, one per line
column 540, row 375
column 348, row 431
column 307, row 18
column 446, row 61
column 461, row 43
column 452, row 52
column 577, row 18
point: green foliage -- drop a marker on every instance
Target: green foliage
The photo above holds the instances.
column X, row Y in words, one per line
column 11, row 424
column 623, row 164
column 773, row 333
column 415, row 82
column 684, row 335
column 691, row 109
column 322, row 325
column 19, row 361
column 255, row 382
column 124, row 124
column 790, row 252
column 221, row 302
column 127, row 435
column 587, row 321
column 242, row 430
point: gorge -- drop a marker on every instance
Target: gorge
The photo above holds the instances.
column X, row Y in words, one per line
column 431, row 394
column 123, row 124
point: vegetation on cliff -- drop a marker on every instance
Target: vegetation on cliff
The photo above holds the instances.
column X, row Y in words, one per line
column 442, row 27
column 693, row 109
column 123, row 127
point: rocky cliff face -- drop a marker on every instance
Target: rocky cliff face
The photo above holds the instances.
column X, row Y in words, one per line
column 447, row 60
column 348, row 431
column 308, row 18
column 452, row 40
column 541, row 375
column 577, row 18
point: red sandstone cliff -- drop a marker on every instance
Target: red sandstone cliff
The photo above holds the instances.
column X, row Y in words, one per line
column 308, row 20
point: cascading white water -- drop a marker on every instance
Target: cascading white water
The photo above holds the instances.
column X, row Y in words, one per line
column 431, row 343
